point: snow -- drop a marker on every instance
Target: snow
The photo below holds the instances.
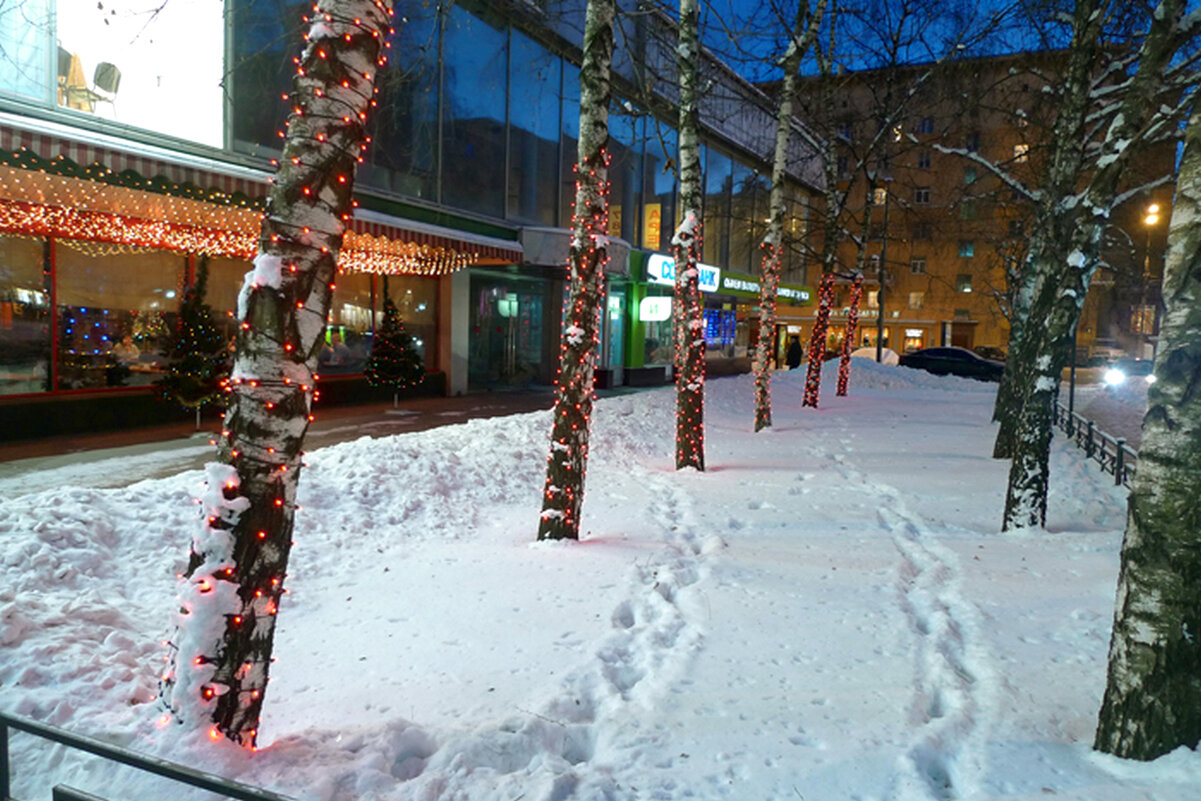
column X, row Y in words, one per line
column 829, row 612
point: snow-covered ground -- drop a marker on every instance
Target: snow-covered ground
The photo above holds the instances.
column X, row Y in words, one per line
column 828, row 613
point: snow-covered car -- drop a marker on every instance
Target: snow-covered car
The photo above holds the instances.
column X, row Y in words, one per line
column 1122, row 370
column 954, row 361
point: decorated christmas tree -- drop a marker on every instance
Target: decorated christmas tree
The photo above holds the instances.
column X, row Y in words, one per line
column 198, row 364
column 394, row 360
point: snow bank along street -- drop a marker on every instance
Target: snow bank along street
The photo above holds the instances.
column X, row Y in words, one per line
column 828, row 613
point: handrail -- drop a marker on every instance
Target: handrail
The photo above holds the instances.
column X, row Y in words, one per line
column 1112, row 453
column 124, row 756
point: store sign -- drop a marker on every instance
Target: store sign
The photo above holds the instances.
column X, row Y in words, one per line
column 662, row 270
column 796, row 294
column 914, row 332
column 739, row 284
column 652, row 310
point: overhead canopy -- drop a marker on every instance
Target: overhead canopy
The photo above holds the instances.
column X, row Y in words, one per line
column 114, row 203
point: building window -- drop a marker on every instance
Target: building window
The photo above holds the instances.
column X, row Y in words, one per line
column 873, row 299
column 917, row 300
column 921, row 195
column 24, row 317
column 923, row 232
column 967, row 249
column 880, row 195
column 973, row 141
column 917, row 266
column 923, row 159
column 969, row 175
column 963, row 283
column 1021, row 152
column 1016, row 228
column 968, row 210
column 926, row 125
column 843, row 165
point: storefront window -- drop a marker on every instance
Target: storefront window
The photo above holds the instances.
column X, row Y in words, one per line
column 569, row 145
column 742, row 213
column 404, row 125
column 473, row 153
column 659, row 208
column 27, row 42
column 720, row 329
column 225, row 280
column 24, row 317
column 348, row 334
column 655, row 315
column 534, row 80
column 717, row 207
column 624, row 172
column 417, row 301
column 264, row 36
column 115, row 314
column 155, row 66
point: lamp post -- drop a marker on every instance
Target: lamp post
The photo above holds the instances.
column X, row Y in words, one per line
column 1150, row 219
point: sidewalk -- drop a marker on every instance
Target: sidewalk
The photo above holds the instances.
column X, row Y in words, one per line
column 331, row 426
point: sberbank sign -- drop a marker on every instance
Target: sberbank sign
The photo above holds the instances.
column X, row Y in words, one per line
column 661, row 269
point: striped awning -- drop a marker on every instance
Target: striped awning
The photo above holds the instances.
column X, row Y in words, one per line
column 44, row 204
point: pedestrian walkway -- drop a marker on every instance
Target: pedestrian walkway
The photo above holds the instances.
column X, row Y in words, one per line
column 331, row 425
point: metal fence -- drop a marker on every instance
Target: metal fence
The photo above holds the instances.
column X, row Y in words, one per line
column 1112, row 453
column 113, row 753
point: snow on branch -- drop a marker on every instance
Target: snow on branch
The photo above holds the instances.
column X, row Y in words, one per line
column 1006, row 178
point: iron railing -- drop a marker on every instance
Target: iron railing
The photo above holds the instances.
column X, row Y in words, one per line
column 1112, row 453
column 113, row 753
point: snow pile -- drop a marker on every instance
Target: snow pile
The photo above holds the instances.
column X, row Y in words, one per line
column 828, row 612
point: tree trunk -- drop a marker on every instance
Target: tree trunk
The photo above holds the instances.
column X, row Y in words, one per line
column 848, row 342
column 231, row 591
column 563, row 495
column 1152, row 701
column 773, row 242
column 1060, row 285
column 817, row 341
column 688, row 309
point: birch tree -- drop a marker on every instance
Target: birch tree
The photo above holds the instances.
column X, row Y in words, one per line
column 563, row 495
column 230, row 592
column 804, row 30
column 1152, row 702
column 688, row 320
column 1149, row 87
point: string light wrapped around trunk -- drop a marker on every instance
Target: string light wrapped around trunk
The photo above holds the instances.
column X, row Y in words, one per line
column 817, row 343
column 848, row 341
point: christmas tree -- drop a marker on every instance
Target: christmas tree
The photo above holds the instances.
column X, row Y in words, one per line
column 199, row 363
column 394, row 360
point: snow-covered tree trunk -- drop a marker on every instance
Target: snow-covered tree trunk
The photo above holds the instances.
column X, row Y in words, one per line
column 817, row 341
column 1060, row 286
column 773, row 243
column 231, row 590
column 848, row 342
column 688, row 310
column 563, row 495
column 1152, row 701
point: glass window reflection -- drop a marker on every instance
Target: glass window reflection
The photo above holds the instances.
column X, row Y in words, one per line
column 534, row 81
column 24, row 316
column 473, row 157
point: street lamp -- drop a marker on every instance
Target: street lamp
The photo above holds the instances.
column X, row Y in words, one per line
column 1150, row 220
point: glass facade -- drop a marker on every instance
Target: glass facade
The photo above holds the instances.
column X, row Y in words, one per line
column 475, row 65
column 24, row 315
column 115, row 312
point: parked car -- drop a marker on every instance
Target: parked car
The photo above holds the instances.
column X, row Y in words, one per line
column 954, row 361
column 990, row 352
column 1120, row 370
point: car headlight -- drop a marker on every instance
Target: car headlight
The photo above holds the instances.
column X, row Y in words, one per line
column 1114, row 377
column 1150, row 378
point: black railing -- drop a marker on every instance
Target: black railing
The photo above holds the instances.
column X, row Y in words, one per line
column 113, row 753
column 1112, row 453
